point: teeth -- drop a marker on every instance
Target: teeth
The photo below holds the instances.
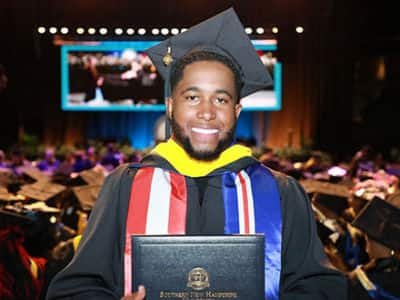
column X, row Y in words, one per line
column 204, row 130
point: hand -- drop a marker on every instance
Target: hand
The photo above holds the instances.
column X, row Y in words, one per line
column 139, row 295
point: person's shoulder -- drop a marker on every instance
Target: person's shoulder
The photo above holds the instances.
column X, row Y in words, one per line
column 122, row 171
column 284, row 181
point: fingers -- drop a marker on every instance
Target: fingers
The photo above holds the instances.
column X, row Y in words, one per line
column 139, row 295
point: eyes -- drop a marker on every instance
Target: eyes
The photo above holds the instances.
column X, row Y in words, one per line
column 217, row 99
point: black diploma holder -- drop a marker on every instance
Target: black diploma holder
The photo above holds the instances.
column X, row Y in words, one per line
column 199, row 267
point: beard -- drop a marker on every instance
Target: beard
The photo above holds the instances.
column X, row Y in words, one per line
column 202, row 155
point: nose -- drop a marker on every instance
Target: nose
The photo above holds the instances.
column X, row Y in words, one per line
column 206, row 110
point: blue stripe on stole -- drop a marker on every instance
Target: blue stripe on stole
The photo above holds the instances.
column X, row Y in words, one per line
column 229, row 195
column 267, row 210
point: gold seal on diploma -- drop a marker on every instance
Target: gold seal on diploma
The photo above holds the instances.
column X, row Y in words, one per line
column 198, row 279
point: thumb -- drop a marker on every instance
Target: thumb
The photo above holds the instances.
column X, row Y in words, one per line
column 141, row 293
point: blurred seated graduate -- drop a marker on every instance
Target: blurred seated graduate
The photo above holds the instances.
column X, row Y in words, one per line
column 380, row 277
column 196, row 182
column 21, row 275
column 49, row 163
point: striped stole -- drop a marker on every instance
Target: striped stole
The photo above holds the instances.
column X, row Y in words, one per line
column 158, row 204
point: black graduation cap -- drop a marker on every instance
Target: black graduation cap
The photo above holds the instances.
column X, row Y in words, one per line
column 325, row 228
column 324, row 232
column 327, row 196
column 94, row 176
column 381, row 222
column 34, row 173
column 87, row 195
column 41, row 190
column 222, row 34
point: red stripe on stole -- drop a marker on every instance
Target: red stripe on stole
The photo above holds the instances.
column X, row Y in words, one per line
column 177, row 206
column 139, row 201
column 136, row 218
column 245, row 204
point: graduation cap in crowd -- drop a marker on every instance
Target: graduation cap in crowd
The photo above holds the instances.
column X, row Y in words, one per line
column 381, row 222
column 324, row 232
column 325, row 228
column 34, row 173
column 4, row 194
column 327, row 196
column 222, row 34
column 41, row 191
column 87, row 195
column 5, row 176
column 94, row 176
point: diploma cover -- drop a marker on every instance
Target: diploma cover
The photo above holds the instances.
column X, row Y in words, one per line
column 199, row 267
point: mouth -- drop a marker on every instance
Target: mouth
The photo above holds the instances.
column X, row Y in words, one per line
column 205, row 130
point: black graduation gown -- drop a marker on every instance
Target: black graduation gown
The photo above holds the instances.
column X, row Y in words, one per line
column 96, row 271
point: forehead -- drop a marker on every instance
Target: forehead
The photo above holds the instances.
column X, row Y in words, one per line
column 207, row 68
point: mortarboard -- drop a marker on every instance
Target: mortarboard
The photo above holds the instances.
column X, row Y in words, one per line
column 328, row 196
column 325, row 227
column 222, row 34
column 6, row 196
column 41, row 191
column 87, row 195
column 316, row 186
column 34, row 173
column 381, row 222
column 5, row 176
column 324, row 232
column 94, row 176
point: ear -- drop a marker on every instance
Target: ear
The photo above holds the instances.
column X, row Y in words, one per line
column 168, row 104
column 238, row 109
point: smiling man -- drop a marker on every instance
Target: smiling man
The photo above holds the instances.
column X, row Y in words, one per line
column 200, row 181
column 204, row 107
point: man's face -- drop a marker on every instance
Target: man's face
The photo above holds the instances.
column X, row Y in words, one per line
column 204, row 109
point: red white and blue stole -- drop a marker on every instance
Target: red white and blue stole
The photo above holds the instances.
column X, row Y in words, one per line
column 251, row 199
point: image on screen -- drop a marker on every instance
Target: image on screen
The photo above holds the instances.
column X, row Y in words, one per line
column 119, row 75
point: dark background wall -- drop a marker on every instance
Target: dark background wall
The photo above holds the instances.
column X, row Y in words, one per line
column 322, row 68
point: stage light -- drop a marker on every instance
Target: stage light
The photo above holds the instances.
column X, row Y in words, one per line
column 248, row 30
column 91, row 30
column 183, row 29
column 141, row 31
column 130, row 31
column 64, row 30
column 164, row 31
column 52, row 219
column 155, row 31
column 275, row 30
column 53, row 30
column 103, row 31
column 41, row 29
column 299, row 29
column 174, row 31
column 260, row 30
column 118, row 31
column 80, row 30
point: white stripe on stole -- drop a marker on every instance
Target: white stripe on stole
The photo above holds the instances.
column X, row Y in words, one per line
column 239, row 192
column 250, row 203
column 159, row 203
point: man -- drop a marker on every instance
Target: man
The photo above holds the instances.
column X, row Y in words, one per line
column 195, row 182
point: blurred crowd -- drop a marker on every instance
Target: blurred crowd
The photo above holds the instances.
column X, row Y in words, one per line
column 46, row 200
